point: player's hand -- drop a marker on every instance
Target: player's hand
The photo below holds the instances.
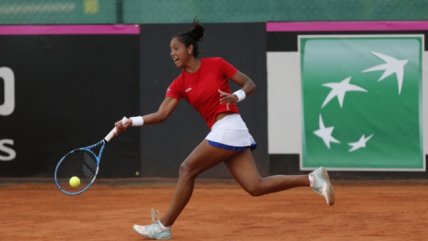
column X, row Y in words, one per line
column 227, row 97
column 122, row 125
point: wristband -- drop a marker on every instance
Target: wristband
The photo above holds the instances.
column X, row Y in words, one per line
column 137, row 120
column 240, row 94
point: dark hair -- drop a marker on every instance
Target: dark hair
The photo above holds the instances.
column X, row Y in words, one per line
column 192, row 37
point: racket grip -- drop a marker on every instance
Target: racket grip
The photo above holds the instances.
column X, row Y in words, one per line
column 110, row 135
column 113, row 131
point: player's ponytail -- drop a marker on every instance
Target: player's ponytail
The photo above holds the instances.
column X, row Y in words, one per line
column 192, row 37
column 197, row 32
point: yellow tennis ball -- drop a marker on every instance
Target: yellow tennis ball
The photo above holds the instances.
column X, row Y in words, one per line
column 74, row 181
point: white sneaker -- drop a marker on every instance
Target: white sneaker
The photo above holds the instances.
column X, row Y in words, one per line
column 154, row 230
column 321, row 184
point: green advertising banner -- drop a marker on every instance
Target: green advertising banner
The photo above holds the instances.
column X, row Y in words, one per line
column 362, row 102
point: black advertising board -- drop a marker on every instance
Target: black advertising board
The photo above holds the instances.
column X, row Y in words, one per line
column 62, row 87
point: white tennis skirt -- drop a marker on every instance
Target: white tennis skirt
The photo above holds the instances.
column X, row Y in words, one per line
column 231, row 133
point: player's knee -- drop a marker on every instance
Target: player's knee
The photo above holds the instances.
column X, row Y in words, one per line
column 254, row 190
column 185, row 171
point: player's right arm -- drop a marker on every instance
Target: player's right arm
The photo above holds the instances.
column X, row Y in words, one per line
column 167, row 106
column 165, row 109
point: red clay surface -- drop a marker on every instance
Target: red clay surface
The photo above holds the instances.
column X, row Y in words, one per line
column 217, row 211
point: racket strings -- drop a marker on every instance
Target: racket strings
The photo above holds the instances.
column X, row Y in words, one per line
column 80, row 163
column 89, row 166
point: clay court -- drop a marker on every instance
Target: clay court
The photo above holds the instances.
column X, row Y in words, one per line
column 219, row 210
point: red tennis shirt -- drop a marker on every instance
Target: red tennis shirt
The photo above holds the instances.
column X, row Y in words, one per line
column 200, row 88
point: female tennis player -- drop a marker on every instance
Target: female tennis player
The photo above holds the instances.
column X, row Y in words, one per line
column 203, row 82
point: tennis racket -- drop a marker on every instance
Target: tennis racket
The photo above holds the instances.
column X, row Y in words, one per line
column 77, row 170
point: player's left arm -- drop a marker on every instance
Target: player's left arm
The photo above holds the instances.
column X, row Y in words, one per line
column 247, row 88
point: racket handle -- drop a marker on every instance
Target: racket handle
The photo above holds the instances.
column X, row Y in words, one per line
column 113, row 131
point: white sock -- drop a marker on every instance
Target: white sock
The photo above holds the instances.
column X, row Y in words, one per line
column 162, row 226
column 311, row 180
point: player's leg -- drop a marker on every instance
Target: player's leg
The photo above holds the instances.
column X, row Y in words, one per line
column 203, row 157
column 244, row 170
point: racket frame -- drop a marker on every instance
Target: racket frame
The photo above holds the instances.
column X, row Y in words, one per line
column 87, row 149
column 103, row 143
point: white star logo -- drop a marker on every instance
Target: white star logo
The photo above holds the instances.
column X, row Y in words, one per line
column 325, row 133
column 361, row 143
column 390, row 67
column 339, row 90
